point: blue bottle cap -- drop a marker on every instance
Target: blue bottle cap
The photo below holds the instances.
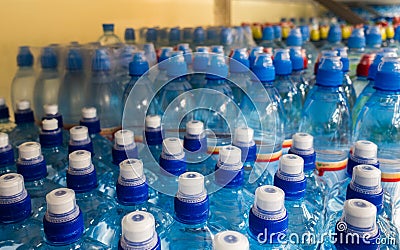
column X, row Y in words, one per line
column 377, row 60
column 90, row 120
column 195, row 138
column 101, row 61
column 264, row 68
column 303, row 146
column 74, row 60
column 335, row 33
column 364, row 152
column 31, row 163
column 132, row 188
column 199, row 35
column 217, row 49
column 165, row 52
column 24, row 57
column 282, row 63
column 229, row 172
column 124, row 146
column 244, row 140
column 162, row 34
column 176, row 66
column 239, row 61
column 81, row 174
column 200, row 61
column 357, row 39
column 51, row 112
column 108, row 27
column 253, row 54
column 373, row 36
column 4, row 112
column 226, row 37
column 217, row 69
column 153, row 131
column 202, row 49
column 6, row 151
column 187, row 34
column 139, row 64
column 277, row 31
column 297, row 58
column 342, row 52
column 24, row 113
column 151, row 35
column 50, row 134
column 305, row 32
column 330, row 72
column 174, row 35
column 268, row 34
column 397, row 33
column 183, row 47
column 80, row 139
column 172, row 158
column 388, row 75
column 295, row 38
column 212, row 34
column 130, row 34
column 48, row 58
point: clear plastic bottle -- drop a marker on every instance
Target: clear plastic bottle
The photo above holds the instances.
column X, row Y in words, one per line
column 226, row 40
column 230, row 240
column 200, row 62
column 356, row 44
column 48, row 83
column 129, row 36
column 187, row 54
column 162, row 78
column 373, row 38
column 310, row 49
column 150, row 53
column 6, row 125
column 361, row 78
column 298, row 73
column 124, row 58
column 26, row 129
column 23, row 84
column 334, row 38
column 108, row 37
column 326, row 116
column 239, row 73
column 347, row 84
column 7, row 162
column 268, row 38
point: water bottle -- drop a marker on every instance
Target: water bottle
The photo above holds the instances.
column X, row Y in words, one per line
column 16, row 223
column 187, row 54
column 187, row 35
column 23, row 84
column 373, row 127
column 239, row 74
column 174, row 36
column 152, row 36
column 161, row 77
column 291, row 96
column 226, row 40
column 347, row 84
column 326, row 116
column 268, row 38
column 124, row 146
column 361, row 80
column 162, row 36
column 71, row 97
column 6, row 125
column 191, row 205
column 309, row 47
column 200, row 63
column 153, row 135
column 334, row 38
column 278, row 36
column 298, row 73
column 51, row 112
column 125, row 57
column 108, row 38
column 356, row 44
column 230, row 240
column 253, row 54
column 103, row 93
column 53, row 150
column 199, row 37
column 304, row 215
column 7, row 162
column 373, row 38
column 48, row 83
column 26, row 129
column 150, row 53
column 129, row 36
column 212, row 36
column 32, row 166
column 231, row 203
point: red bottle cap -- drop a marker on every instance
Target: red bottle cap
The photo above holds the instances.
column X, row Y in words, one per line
column 364, row 64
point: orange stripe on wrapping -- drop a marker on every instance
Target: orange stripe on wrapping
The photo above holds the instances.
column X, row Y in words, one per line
column 287, row 143
column 139, row 138
column 390, row 177
column 269, row 157
column 213, row 151
column 330, row 166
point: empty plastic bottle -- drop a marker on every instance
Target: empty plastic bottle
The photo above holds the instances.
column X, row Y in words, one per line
column 334, row 38
column 7, row 162
column 124, row 146
column 16, row 223
column 71, row 97
column 326, row 116
column 231, row 203
column 373, row 38
column 150, row 53
column 23, row 84
column 192, row 210
column 109, row 38
column 230, row 240
column 298, row 73
column 347, row 84
column 356, row 44
column 162, row 78
column 5, row 124
column 153, row 135
column 268, row 38
column 239, row 73
column 48, row 83
column 129, row 36
column 200, row 63
column 26, row 129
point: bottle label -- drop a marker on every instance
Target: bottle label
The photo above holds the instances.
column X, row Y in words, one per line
column 287, row 143
column 330, row 166
column 390, row 170
column 213, row 150
column 269, row 157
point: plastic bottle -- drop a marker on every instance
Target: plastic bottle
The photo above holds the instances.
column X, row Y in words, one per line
column 212, row 36
column 26, row 129
column 373, row 37
column 71, row 97
column 268, row 38
column 334, row 38
column 226, row 40
column 153, row 135
column 162, row 77
column 7, row 162
column 200, row 63
column 16, row 223
column 187, row 35
column 231, row 203
column 124, row 58
column 152, row 36
column 187, row 54
column 304, row 215
column 129, row 36
column 326, row 116
column 199, row 37
column 298, row 73
column 103, row 93
column 356, row 44
column 23, row 84
column 109, row 37
column 361, row 80
column 230, row 240
column 150, row 53
column 48, row 83
column 191, row 206
column 310, row 49
column 51, row 112
column 174, row 36
column 291, row 96
column 239, row 74
column 278, row 36
column 347, row 84
column 373, row 127
column 253, row 54
column 5, row 124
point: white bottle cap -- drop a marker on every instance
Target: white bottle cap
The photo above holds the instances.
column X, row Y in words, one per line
column 23, row 105
column 230, row 240
column 50, row 109
column 359, row 213
column 244, row 135
column 49, row 124
column 367, row 176
column 79, row 133
column 124, row 137
column 269, row 198
column 191, row 183
column 303, row 141
column 131, row 169
column 89, row 112
column 291, row 164
column 11, row 184
column 172, row 146
column 60, row 201
column 138, row 226
column 2, row 101
column 230, row 155
column 3, row 140
column 80, row 159
column 29, row 150
column 153, row 121
column 365, row 149
column 194, row 127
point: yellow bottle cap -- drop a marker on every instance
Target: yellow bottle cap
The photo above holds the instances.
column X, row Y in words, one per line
column 257, row 33
column 315, row 35
column 324, row 30
column 383, row 33
column 346, row 32
column 389, row 32
column 285, row 31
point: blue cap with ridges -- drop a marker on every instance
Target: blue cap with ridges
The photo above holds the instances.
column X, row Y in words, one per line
column 218, row 49
column 239, row 62
column 217, row 69
column 187, row 34
column 277, row 31
column 295, row 38
column 253, row 54
column 305, row 32
column 268, row 33
column 212, row 34
column 388, row 75
column 282, row 63
column 130, row 34
column 48, row 58
column 264, row 68
column 357, row 39
column 101, row 61
column 297, row 58
column 139, row 65
column 226, row 37
column 200, row 61
column 151, row 35
column 202, row 49
column 165, row 52
column 81, row 174
column 397, row 33
column 74, row 60
column 199, row 35
column 176, row 65
column 377, row 60
column 24, row 57
column 335, row 33
column 174, row 35
column 330, row 72
column 342, row 52
column 108, row 27
column 4, row 111
column 229, row 171
column 373, row 36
